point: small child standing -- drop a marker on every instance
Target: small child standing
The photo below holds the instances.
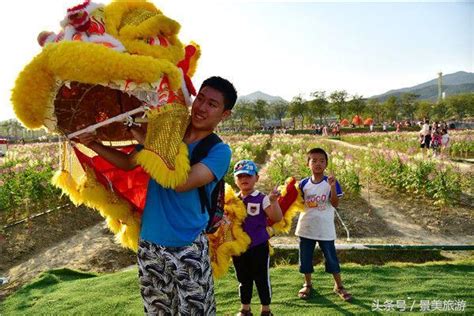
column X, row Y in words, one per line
column 444, row 141
column 436, row 139
column 316, row 224
column 253, row 265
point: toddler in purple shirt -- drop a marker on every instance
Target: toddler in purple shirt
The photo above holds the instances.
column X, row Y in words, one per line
column 253, row 265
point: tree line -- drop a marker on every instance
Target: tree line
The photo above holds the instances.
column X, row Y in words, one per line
column 322, row 107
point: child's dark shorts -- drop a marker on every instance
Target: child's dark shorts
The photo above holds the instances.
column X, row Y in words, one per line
column 306, row 255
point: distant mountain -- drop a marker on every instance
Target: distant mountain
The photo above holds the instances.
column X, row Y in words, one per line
column 455, row 83
column 259, row 95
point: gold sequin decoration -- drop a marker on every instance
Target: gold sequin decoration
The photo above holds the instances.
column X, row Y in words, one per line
column 136, row 17
column 165, row 131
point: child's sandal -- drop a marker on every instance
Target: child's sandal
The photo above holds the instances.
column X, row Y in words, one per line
column 245, row 312
column 266, row 313
column 305, row 292
column 341, row 291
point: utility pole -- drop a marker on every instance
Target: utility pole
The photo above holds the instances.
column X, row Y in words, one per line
column 440, row 86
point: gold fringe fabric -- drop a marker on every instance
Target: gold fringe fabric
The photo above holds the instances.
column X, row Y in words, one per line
column 230, row 239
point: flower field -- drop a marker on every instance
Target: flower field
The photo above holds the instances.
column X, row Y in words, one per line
column 392, row 161
column 461, row 143
column 25, row 174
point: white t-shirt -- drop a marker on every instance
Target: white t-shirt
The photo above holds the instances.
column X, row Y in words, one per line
column 425, row 130
column 317, row 220
column 444, row 139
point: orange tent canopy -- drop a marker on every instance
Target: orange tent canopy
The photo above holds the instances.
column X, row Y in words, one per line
column 368, row 121
column 357, row 120
column 344, row 122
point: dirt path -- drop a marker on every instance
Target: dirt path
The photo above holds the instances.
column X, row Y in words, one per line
column 410, row 232
column 93, row 249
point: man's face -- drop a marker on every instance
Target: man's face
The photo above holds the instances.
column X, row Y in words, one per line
column 208, row 109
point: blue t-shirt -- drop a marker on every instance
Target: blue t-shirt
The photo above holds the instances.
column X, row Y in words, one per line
column 175, row 219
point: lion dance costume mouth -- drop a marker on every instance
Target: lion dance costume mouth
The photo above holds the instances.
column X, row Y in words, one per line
column 111, row 62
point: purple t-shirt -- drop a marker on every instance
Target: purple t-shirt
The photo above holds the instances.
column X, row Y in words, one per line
column 255, row 224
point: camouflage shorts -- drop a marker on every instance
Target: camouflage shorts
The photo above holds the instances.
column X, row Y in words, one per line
column 176, row 281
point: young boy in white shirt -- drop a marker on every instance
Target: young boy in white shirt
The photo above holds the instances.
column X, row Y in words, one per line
column 316, row 224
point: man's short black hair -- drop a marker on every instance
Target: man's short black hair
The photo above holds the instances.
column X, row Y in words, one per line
column 317, row 151
column 225, row 87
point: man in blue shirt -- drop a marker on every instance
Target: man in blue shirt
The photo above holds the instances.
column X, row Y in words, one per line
column 173, row 256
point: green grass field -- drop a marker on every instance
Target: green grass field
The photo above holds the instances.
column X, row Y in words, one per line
column 443, row 286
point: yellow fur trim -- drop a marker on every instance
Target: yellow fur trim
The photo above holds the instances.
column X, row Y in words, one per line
column 158, row 24
column 173, row 53
column 114, row 225
column 157, row 169
column 63, row 180
column 221, row 254
column 194, row 59
column 130, row 230
column 134, row 32
column 115, row 11
column 34, row 92
column 98, row 197
column 284, row 225
column 92, row 63
column 119, row 215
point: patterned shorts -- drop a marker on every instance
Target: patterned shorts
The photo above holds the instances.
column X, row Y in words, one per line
column 176, row 280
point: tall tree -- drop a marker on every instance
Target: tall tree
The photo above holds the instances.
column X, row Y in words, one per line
column 279, row 110
column 338, row 102
column 298, row 108
column 375, row 110
column 461, row 105
column 440, row 111
column 260, row 109
column 356, row 105
column 423, row 109
column 408, row 105
column 391, row 106
column 318, row 105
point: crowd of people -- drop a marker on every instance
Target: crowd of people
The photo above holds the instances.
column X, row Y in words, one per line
column 434, row 136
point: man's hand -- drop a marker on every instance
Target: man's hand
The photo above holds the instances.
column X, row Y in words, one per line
column 86, row 139
column 138, row 134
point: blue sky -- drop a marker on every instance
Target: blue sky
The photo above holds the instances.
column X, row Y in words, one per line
column 289, row 48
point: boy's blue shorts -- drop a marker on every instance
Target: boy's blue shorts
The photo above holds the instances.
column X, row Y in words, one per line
column 306, row 255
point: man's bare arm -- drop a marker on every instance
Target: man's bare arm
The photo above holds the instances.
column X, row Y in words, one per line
column 117, row 158
column 198, row 176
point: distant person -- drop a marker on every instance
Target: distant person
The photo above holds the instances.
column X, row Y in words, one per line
column 325, row 130
column 436, row 139
column 384, row 127
column 371, row 127
column 425, row 135
column 444, row 142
